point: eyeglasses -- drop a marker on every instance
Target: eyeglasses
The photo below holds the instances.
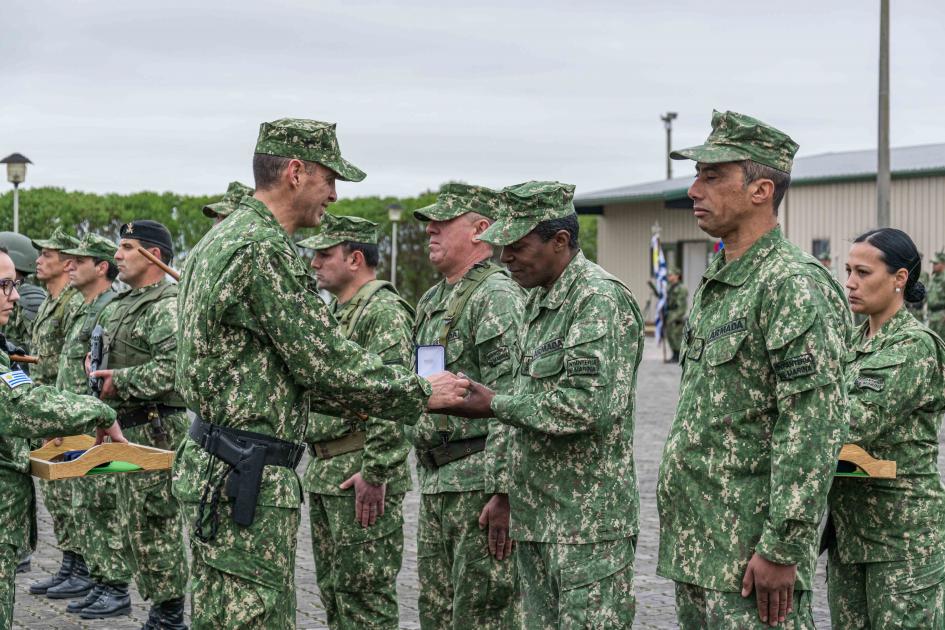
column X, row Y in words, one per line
column 7, row 286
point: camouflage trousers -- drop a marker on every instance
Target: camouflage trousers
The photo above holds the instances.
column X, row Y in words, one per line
column 904, row 594
column 700, row 608
column 95, row 506
column 152, row 534
column 357, row 566
column 9, row 556
column 461, row 585
column 571, row 587
column 674, row 331
column 245, row 576
column 57, row 495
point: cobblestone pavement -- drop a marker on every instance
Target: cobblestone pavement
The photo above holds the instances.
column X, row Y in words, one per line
column 656, row 401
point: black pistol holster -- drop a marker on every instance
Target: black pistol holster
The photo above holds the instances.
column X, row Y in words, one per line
column 246, row 454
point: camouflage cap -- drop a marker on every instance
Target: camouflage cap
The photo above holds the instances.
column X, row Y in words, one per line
column 528, row 205
column 59, row 240
column 309, row 140
column 737, row 137
column 340, row 229
column 939, row 257
column 823, row 255
column 457, row 199
column 95, row 246
column 230, row 202
column 673, row 270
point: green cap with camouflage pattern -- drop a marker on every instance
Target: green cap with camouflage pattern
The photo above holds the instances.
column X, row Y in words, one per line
column 528, row 205
column 457, row 199
column 939, row 257
column 341, row 229
column 737, row 137
column 824, row 255
column 309, row 140
column 230, row 202
column 94, row 246
column 59, row 240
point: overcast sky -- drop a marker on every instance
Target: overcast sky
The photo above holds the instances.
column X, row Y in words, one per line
column 125, row 96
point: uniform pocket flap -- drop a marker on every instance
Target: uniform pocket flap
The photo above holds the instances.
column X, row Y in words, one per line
column 882, row 361
column 547, row 365
column 597, row 566
column 586, row 332
column 724, row 349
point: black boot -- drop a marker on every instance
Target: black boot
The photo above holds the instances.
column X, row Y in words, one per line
column 76, row 605
column 76, row 585
column 40, row 587
column 167, row 615
column 675, row 358
column 112, row 601
column 25, row 564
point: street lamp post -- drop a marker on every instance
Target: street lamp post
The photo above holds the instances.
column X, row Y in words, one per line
column 668, row 123
column 16, row 175
column 394, row 212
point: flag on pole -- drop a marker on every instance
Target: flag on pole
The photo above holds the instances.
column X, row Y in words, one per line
column 658, row 271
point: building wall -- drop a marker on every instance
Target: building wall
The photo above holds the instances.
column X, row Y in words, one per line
column 838, row 212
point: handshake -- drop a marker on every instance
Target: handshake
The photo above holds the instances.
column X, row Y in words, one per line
column 459, row 395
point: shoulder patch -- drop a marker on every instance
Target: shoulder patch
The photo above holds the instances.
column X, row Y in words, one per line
column 498, row 356
column 795, row 367
column 876, row 383
column 16, row 378
column 585, row 366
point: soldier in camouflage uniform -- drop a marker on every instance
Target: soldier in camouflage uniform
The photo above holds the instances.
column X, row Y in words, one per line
column 141, row 353
column 258, row 349
column 936, row 295
column 677, row 301
column 886, row 567
column 475, row 312
column 94, row 499
column 573, row 489
column 47, row 335
column 23, row 254
column 358, row 467
column 762, row 413
column 29, row 410
column 228, row 204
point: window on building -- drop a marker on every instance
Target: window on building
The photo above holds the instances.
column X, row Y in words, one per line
column 820, row 246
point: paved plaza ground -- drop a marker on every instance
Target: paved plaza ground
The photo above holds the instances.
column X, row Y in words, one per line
column 656, row 399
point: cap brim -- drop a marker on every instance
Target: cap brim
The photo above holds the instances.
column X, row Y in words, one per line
column 506, row 231
column 345, row 170
column 436, row 212
column 50, row 244
column 319, row 242
column 710, row 154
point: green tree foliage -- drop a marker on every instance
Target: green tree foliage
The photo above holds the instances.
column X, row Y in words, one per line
column 43, row 209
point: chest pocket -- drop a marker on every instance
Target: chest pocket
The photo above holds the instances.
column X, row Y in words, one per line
column 723, row 350
column 454, row 349
column 547, row 359
column 874, row 376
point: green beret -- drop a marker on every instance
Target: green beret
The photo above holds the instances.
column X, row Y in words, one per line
column 230, row 202
column 148, row 231
column 59, row 240
column 309, row 140
column 737, row 137
column 95, row 246
column 457, row 199
column 341, row 229
column 528, row 205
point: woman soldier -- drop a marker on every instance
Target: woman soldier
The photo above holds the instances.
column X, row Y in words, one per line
column 887, row 561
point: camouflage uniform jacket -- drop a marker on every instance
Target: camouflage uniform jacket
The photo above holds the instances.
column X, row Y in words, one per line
column 49, row 332
column 71, row 376
column 257, row 347
column 571, row 452
column 677, row 299
column 28, row 410
column 896, row 386
column 378, row 320
column 479, row 345
column 760, row 419
column 141, row 346
column 936, row 298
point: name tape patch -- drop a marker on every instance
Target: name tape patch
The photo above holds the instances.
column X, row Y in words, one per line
column 795, row 367
column 16, row 378
column 585, row 366
column 876, row 383
column 548, row 347
column 498, row 356
column 728, row 328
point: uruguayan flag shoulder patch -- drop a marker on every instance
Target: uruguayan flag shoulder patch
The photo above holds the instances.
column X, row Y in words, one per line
column 16, row 378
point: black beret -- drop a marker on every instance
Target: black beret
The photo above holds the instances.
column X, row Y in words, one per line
column 148, row 231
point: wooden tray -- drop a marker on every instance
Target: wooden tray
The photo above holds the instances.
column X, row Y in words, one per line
column 42, row 462
column 872, row 467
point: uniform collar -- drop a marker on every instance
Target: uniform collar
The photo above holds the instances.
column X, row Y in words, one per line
column 737, row 272
column 263, row 212
column 554, row 296
column 893, row 325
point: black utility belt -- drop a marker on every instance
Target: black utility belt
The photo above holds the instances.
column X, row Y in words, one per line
column 246, row 454
column 145, row 415
column 450, row 452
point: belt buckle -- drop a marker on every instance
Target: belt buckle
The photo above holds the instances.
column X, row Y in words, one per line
column 153, row 414
column 320, row 451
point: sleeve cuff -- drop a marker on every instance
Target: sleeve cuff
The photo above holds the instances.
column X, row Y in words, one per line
column 790, row 543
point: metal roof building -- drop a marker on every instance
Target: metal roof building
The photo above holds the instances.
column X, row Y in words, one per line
column 831, row 200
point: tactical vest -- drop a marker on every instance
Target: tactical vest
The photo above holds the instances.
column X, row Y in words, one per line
column 360, row 301
column 120, row 348
column 91, row 315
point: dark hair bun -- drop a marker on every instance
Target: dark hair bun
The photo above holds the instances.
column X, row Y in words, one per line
column 915, row 293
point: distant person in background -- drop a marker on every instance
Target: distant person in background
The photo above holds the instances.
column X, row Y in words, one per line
column 229, row 203
column 23, row 254
column 886, row 567
column 936, row 295
column 677, row 302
